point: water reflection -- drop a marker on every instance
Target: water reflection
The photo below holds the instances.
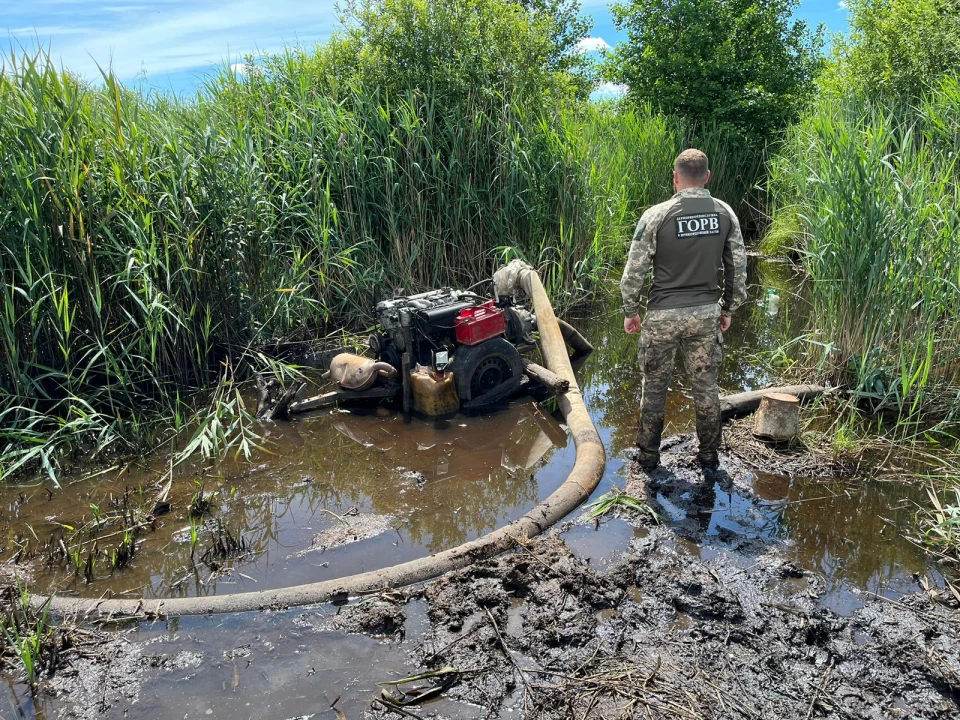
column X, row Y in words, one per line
column 852, row 533
column 441, row 483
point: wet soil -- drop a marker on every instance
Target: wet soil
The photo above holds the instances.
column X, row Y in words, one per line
column 711, row 613
column 353, row 526
column 684, row 625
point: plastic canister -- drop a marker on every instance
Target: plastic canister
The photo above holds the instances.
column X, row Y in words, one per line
column 474, row 325
column 772, row 302
column 433, row 394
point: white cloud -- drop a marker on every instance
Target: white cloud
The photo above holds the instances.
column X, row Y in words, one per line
column 591, row 44
column 239, row 68
column 179, row 35
column 842, row 5
column 610, row 90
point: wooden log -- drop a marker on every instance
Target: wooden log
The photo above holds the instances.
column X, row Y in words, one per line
column 282, row 409
column 498, row 394
column 273, row 401
column 550, row 380
column 778, row 417
column 741, row 404
column 335, row 397
column 265, row 390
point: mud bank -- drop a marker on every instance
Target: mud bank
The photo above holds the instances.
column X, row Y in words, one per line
column 673, row 628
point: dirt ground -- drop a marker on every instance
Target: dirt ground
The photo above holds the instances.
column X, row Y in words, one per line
column 665, row 633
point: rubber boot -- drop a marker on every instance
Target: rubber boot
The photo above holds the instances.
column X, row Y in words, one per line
column 709, row 460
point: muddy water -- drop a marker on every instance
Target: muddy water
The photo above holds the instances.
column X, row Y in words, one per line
column 429, row 485
column 851, row 531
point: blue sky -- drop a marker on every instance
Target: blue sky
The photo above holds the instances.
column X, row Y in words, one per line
column 173, row 44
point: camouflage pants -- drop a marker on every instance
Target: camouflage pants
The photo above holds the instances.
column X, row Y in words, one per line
column 696, row 333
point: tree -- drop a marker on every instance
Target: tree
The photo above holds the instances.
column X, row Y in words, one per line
column 452, row 50
column 567, row 27
column 742, row 63
column 897, row 48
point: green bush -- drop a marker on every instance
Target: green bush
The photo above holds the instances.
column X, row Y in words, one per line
column 460, row 52
column 148, row 245
column 146, row 242
column 896, row 49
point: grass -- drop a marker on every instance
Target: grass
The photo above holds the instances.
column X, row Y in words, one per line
column 616, row 498
column 31, row 641
column 941, row 524
column 107, row 542
column 869, row 196
column 151, row 246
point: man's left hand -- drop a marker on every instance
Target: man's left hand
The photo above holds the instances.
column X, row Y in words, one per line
column 724, row 323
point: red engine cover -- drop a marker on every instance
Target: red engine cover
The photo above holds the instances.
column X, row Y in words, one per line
column 474, row 325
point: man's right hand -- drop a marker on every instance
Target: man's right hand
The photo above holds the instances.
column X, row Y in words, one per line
column 632, row 324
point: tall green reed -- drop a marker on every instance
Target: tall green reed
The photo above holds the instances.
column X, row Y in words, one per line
column 871, row 195
column 147, row 242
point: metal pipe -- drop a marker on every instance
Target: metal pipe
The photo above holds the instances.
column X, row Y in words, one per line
column 407, row 389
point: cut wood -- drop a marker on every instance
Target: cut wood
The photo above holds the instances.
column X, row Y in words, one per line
column 778, row 417
column 335, row 397
column 741, row 404
column 549, row 379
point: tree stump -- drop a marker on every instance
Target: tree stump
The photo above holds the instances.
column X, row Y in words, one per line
column 778, row 417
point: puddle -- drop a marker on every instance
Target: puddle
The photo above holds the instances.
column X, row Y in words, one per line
column 433, row 485
column 268, row 666
column 852, row 534
column 601, row 544
column 515, row 617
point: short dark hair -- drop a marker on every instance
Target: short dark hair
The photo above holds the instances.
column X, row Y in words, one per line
column 692, row 165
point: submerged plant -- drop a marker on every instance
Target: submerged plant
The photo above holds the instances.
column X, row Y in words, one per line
column 124, row 552
column 199, row 503
column 194, row 536
column 223, row 547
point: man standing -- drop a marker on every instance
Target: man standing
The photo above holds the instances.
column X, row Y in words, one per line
column 685, row 240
